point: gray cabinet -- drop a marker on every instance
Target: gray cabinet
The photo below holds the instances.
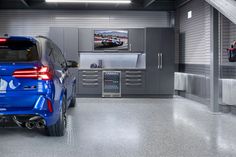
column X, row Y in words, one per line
column 136, row 39
column 67, row 40
column 160, row 50
column 86, row 39
column 90, row 82
column 71, row 43
column 56, row 34
column 133, row 82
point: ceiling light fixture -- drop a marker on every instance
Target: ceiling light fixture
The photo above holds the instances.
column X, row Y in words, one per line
column 89, row 1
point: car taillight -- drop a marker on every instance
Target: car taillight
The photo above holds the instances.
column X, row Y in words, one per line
column 3, row 39
column 42, row 73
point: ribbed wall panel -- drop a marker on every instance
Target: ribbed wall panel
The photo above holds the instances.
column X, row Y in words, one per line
column 228, row 36
column 228, row 29
column 195, row 33
column 180, row 2
column 194, row 47
column 36, row 22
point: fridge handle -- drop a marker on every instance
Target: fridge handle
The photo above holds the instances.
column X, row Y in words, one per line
column 161, row 59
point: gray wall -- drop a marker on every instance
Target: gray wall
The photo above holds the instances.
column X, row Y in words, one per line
column 193, row 51
column 36, row 22
column 194, row 33
column 228, row 35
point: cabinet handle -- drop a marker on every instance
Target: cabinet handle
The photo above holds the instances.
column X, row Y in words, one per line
column 90, row 72
column 161, row 60
column 133, row 76
column 133, row 80
column 130, row 47
column 158, row 60
column 133, row 84
column 133, row 72
column 90, row 80
column 90, row 75
column 90, row 84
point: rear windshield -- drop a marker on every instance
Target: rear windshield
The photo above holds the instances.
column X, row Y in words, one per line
column 18, row 51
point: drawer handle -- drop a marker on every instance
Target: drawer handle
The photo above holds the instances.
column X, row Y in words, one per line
column 133, row 72
column 135, row 80
column 133, row 76
column 90, row 79
column 133, row 84
column 90, row 71
column 90, row 84
column 90, row 75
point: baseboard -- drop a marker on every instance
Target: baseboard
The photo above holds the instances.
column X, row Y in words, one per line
column 194, row 98
column 89, row 95
column 164, row 96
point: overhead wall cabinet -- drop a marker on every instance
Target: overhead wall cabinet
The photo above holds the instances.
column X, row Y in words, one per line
column 136, row 39
column 86, row 39
column 67, row 40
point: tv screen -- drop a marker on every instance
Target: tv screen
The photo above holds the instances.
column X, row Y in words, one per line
column 111, row 40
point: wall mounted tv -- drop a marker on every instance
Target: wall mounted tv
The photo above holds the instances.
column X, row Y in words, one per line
column 111, row 40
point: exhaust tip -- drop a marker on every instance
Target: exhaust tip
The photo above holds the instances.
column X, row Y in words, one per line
column 41, row 124
column 30, row 125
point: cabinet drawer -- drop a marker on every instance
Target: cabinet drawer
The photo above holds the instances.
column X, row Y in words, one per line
column 90, row 82
column 133, row 82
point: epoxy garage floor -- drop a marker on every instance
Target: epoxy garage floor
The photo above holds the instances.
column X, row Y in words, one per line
column 130, row 128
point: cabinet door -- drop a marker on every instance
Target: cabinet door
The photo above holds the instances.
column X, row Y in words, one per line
column 86, row 39
column 71, row 43
column 71, row 49
column 166, row 70
column 160, row 60
column 136, row 39
column 152, row 61
column 67, row 40
column 56, row 34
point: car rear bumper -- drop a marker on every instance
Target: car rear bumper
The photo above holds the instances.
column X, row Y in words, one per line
column 40, row 109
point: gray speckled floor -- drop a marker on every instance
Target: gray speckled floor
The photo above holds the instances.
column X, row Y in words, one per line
column 130, row 128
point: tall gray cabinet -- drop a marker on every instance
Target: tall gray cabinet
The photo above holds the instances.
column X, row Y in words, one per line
column 160, row 50
column 67, row 40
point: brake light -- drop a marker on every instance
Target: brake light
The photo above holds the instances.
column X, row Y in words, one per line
column 3, row 39
column 42, row 73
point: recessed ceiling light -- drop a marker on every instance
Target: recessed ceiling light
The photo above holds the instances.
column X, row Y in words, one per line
column 88, row 1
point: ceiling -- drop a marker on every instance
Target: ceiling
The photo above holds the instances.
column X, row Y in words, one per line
column 144, row 5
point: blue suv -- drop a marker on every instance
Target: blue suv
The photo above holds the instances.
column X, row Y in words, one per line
column 36, row 86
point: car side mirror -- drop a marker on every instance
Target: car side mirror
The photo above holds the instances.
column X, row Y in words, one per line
column 72, row 64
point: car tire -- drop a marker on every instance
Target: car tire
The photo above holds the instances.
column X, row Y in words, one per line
column 73, row 100
column 59, row 128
